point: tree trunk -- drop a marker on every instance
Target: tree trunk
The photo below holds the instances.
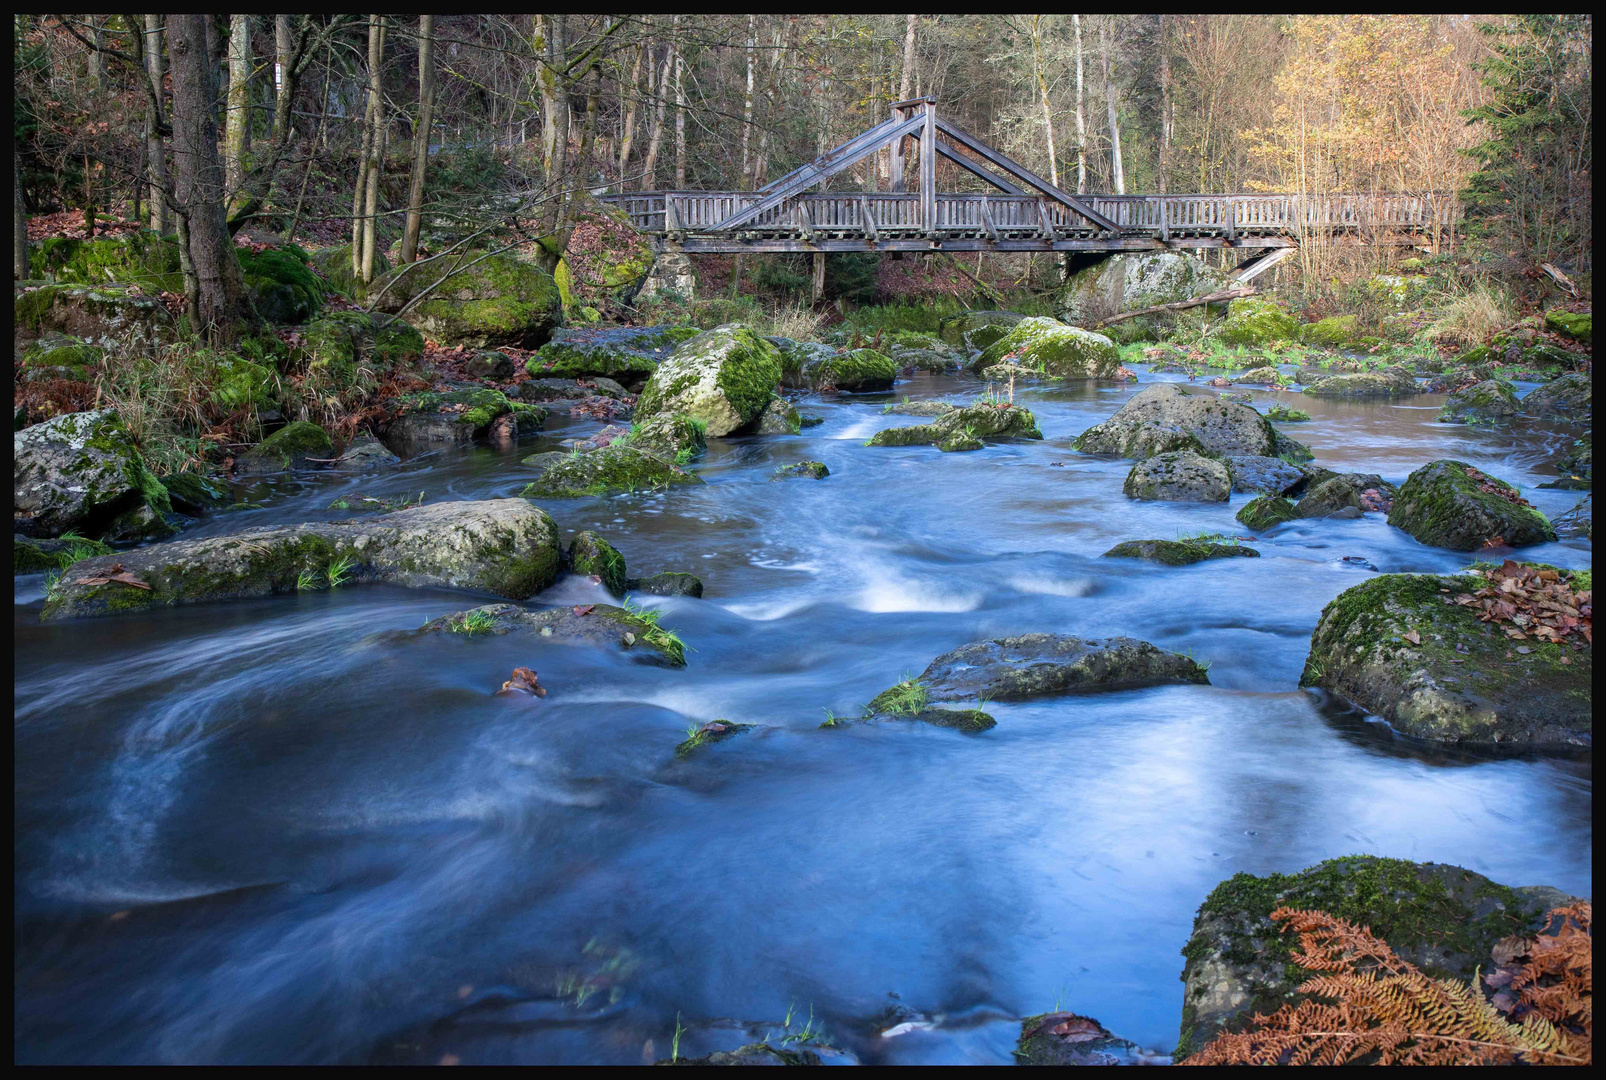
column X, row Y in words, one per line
column 155, row 150
column 283, row 84
column 1167, row 118
column 906, row 84
column 655, row 136
column 426, row 119
column 680, row 115
column 627, row 134
column 239, row 103
column 554, row 107
column 218, row 295
column 1117, row 175
column 1081, row 121
column 747, row 103
column 1042, row 93
column 588, row 134
column 19, row 219
column 376, row 146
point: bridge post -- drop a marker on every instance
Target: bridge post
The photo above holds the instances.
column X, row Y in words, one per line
column 928, row 169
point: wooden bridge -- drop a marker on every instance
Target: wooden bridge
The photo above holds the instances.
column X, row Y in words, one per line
column 1023, row 212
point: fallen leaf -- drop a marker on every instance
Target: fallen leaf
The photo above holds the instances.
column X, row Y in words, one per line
column 1413, row 637
column 117, row 574
column 584, row 609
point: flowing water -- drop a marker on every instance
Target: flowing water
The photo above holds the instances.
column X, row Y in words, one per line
column 280, row 831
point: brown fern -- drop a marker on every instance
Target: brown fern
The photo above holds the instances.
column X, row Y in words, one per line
column 1375, row 1008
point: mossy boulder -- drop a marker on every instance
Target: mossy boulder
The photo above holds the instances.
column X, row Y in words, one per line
column 672, row 436
column 1054, row 350
column 1265, row 375
column 779, row 417
column 334, row 266
column 1399, row 647
column 1492, row 399
column 491, row 300
column 1342, row 494
column 1179, row 552
column 976, row 329
column 1443, row 505
column 81, row 473
column 611, row 470
column 335, row 346
column 106, row 316
column 1256, row 321
column 33, row 556
column 1443, row 919
column 194, row 494
column 1399, row 291
column 1571, row 395
column 806, row 470
column 1029, row 665
column 431, row 419
column 1576, row 325
column 1179, row 476
column 1389, row 383
column 859, row 371
column 592, row 556
column 797, row 357
column 1128, row 282
column 501, row 546
column 1266, row 512
column 143, row 258
column 602, row 626
column 1262, row 475
column 964, row 428
column 58, row 356
column 724, row 377
column 290, row 447
column 1164, row 417
column 620, row 352
column 1333, row 332
column 283, row 288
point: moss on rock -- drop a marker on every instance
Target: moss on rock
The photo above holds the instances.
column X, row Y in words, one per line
column 809, row 470
column 611, row 470
column 288, row 448
column 1266, row 512
column 724, row 378
column 1165, row 418
column 1576, row 325
column 592, row 556
column 1256, row 321
column 964, row 426
column 1333, row 332
column 1442, row 505
column 1388, row 383
column 283, row 287
column 490, row 301
column 80, row 472
column 1054, row 350
column 857, row 372
column 1178, row 552
column 602, row 625
column 611, row 351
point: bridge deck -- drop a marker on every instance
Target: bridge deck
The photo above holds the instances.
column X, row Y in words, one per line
column 882, row 221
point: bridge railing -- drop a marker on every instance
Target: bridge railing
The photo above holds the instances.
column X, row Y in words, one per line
column 869, row 214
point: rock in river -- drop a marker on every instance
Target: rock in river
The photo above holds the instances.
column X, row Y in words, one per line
column 80, row 472
column 1402, row 647
column 668, row 583
column 1181, row 476
column 963, row 429
column 1179, row 552
column 1166, row 417
column 608, row 471
column 1444, row 919
column 502, row 546
column 592, row 556
column 1389, row 383
column 1450, row 504
column 1032, row 664
column 724, row 377
column 591, row 624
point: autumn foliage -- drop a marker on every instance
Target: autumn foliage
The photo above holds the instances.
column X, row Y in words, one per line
column 1369, row 1007
column 1530, row 602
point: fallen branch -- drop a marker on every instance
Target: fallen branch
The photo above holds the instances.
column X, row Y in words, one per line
column 1198, row 301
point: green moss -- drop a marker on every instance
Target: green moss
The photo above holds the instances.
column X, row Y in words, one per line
column 1178, row 552
column 1053, row 349
column 1577, row 326
column 707, row 734
column 591, row 555
column 812, row 470
column 1333, row 332
column 1254, row 321
column 1439, row 504
column 143, row 259
column 610, row 470
column 283, row 288
column 1285, row 415
column 1266, row 512
column 856, row 371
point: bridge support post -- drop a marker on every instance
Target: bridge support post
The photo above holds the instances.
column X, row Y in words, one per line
column 819, row 276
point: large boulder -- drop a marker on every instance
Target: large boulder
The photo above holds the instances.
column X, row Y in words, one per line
column 1492, row 399
column 1450, row 504
column 1179, row 476
column 964, row 429
column 491, row 300
column 858, row 371
column 81, row 473
column 107, row 316
column 1389, row 383
column 724, row 378
column 1331, row 333
column 1568, row 396
column 1413, row 649
column 283, row 287
column 1444, row 919
column 597, row 625
column 798, row 357
column 1053, row 350
column 780, row 417
column 620, row 352
column 608, row 471
column 340, row 343
column 1266, row 512
column 1576, row 325
column 977, row 329
column 1032, row 664
column 431, row 419
column 334, row 265
column 1129, row 282
column 502, row 546
column 294, row 446
column 1256, row 321
column 1262, row 475
column 143, row 258
column 1165, row 417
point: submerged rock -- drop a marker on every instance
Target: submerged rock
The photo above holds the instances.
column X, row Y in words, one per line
column 811, row 470
column 1179, row 552
column 592, row 556
column 920, row 408
column 590, row 624
column 1346, row 495
column 1064, row 1038
column 1444, row 919
column 1032, row 664
column 724, row 378
column 1267, row 512
column 294, row 446
column 501, row 546
column 1180, row 476
column 1400, row 647
column 1050, row 349
column 1492, row 399
column 363, row 452
column 80, row 472
column 1443, row 504
column 1262, row 475
column 1388, row 383
column 608, row 471
column 669, row 583
column 712, row 732
column 1579, row 521
column 1164, row 417
column 963, row 429
column 1570, row 395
